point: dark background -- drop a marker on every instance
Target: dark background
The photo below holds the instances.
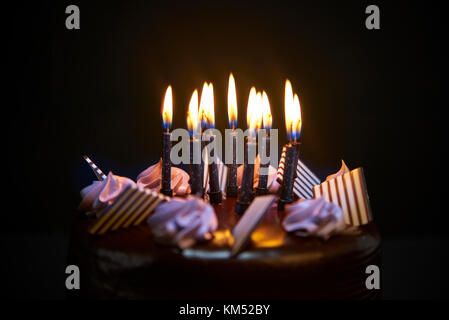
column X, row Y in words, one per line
column 371, row 97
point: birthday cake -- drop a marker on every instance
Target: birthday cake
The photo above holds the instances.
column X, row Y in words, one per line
column 173, row 235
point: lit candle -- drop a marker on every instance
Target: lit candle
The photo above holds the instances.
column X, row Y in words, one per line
column 254, row 121
column 232, row 187
column 293, row 124
column 207, row 110
column 265, row 146
column 196, row 182
column 167, row 117
column 202, row 118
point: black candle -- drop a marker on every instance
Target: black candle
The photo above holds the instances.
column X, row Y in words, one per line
column 246, row 194
column 196, row 172
column 291, row 161
column 166, row 165
column 262, row 188
column 203, row 145
column 293, row 125
column 167, row 114
column 196, row 168
column 232, row 186
column 215, row 195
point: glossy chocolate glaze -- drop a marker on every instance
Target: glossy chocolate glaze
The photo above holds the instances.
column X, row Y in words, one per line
column 129, row 264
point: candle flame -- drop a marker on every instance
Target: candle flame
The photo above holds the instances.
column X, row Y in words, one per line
column 254, row 113
column 211, row 109
column 192, row 114
column 206, row 112
column 297, row 122
column 232, row 102
column 202, row 111
column 256, row 118
column 167, row 109
column 266, row 111
column 293, row 122
column 251, row 104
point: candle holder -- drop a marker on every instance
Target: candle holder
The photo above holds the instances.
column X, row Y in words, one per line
column 196, row 182
column 166, row 166
column 246, row 194
column 262, row 188
column 291, row 161
column 232, row 188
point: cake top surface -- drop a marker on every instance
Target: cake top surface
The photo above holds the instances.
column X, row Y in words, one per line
column 135, row 247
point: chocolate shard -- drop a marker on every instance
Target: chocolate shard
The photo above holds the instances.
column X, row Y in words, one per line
column 350, row 193
column 130, row 208
column 249, row 221
column 305, row 179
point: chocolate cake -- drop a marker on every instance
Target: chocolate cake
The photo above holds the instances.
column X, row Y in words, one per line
column 129, row 264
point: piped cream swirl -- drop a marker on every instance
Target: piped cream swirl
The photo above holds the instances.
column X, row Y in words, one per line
column 100, row 194
column 344, row 169
column 151, row 178
column 314, row 217
column 183, row 222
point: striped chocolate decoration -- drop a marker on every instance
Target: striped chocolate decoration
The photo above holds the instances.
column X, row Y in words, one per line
column 100, row 175
column 130, row 208
column 305, row 179
column 222, row 176
column 350, row 193
column 249, row 221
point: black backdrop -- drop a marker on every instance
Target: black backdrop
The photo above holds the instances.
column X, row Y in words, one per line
column 372, row 98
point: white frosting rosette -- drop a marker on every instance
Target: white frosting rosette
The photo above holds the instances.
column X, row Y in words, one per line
column 100, row 194
column 150, row 178
column 183, row 222
column 314, row 217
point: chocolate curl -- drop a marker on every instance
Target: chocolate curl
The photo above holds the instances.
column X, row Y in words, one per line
column 291, row 161
column 100, row 175
column 166, row 165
